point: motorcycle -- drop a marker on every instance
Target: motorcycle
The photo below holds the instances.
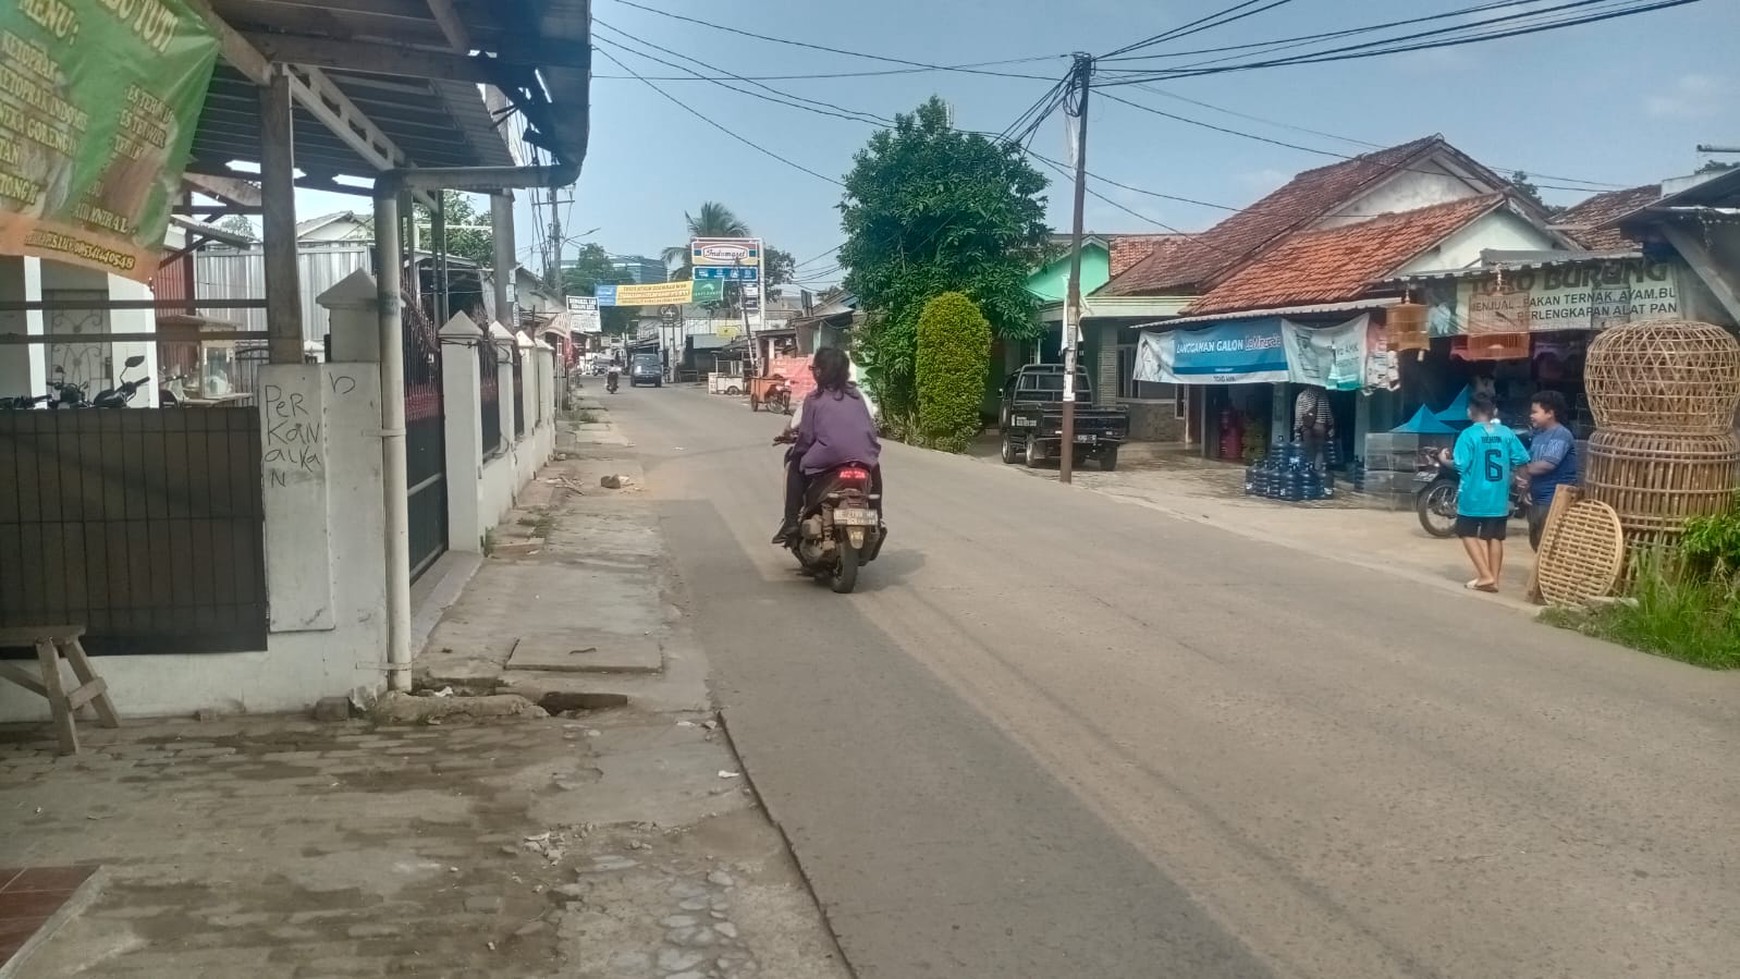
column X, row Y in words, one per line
column 119, row 396
column 840, row 528
column 610, row 382
column 1435, row 501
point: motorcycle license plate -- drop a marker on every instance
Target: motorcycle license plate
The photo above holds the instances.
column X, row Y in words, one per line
column 855, row 518
column 1424, row 477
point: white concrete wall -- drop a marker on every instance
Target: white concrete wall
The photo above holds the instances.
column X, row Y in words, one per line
column 1421, row 185
column 306, row 660
column 1501, row 230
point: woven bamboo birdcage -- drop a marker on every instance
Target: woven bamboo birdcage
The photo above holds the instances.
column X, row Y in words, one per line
column 1664, row 376
column 1498, row 346
column 1406, row 323
column 1655, row 483
column 1582, row 554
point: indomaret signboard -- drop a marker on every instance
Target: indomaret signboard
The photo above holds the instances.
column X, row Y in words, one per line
column 98, row 103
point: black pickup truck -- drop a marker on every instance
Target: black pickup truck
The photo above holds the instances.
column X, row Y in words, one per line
column 1031, row 419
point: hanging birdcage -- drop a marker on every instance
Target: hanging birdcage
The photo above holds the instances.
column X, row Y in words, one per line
column 1496, row 346
column 1407, row 327
column 1664, row 376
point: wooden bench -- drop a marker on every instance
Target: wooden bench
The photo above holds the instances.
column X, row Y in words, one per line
column 52, row 642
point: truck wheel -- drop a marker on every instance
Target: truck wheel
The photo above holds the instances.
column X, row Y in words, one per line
column 1035, row 454
column 1011, row 452
column 1109, row 460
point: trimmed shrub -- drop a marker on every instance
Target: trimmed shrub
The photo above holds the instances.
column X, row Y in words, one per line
column 954, row 355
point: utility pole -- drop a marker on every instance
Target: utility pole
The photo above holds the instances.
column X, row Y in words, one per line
column 554, row 270
column 1081, row 82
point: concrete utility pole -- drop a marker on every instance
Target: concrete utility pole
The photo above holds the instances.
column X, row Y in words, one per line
column 1076, row 105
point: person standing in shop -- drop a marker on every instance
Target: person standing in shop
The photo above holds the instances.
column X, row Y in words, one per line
column 1486, row 456
column 1313, row 423
column 1552, row 458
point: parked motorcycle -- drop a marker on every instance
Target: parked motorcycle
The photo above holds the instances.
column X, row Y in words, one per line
column 1435, row 501
column 840, row 528
column 119, row 396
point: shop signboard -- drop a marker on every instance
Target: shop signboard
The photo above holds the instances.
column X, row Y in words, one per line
column 1235, row 352
column 728, row 253
column 101, row 101
column 583, row 315
column 1591, row 295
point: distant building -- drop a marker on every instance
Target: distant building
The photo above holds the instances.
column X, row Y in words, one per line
column 640, row 269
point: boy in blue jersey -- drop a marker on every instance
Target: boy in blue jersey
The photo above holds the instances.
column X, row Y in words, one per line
column 1486, row 455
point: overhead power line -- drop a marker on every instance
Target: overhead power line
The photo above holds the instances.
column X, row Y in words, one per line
column 926, row 66
column 1238, row 11
column 1427, row 40
column 727, row 131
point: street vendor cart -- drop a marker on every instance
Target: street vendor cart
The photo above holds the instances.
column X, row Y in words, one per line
column 772, row 393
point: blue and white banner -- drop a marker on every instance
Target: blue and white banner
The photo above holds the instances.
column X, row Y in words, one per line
column 1236, row 352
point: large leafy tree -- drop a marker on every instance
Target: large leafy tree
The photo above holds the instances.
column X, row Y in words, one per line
column 467, row 234
column 592, row 268
column 929, row 210
column 714, row 220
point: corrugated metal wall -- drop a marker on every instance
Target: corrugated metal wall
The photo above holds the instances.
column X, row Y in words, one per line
column 224, row 273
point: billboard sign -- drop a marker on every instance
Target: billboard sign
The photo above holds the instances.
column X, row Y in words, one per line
column 583, row 314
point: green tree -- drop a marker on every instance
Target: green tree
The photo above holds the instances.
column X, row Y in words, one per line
column 954, row 356
column 592, row 268
column 238, row 224
column 714, row 220
column 778, row 269
column 929, row 210
column 468, row 236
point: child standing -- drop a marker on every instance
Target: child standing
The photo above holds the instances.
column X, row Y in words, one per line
column 1486, row 456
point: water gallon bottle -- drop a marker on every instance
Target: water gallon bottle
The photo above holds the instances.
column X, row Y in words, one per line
column 1251, row 477
column 1359, row 474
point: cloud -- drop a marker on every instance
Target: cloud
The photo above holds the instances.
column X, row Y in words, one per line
column 1691, row 97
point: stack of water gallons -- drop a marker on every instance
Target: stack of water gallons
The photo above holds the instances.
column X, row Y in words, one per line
column 1283, row 475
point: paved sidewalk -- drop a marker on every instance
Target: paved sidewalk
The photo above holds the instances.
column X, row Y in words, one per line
column 1388, row 541
column 604, row 844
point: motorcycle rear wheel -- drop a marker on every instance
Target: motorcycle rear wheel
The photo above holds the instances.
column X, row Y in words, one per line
column 845, row 570
column 1436, row 506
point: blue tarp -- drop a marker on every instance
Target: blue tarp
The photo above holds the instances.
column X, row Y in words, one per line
column 1424, row 423
column 1456, row 412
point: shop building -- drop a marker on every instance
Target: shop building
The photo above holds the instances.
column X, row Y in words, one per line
column 1311, row 254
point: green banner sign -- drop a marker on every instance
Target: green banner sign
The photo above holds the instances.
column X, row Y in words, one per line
column 98, row 104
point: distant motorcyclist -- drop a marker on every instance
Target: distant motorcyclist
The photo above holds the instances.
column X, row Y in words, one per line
column 831, row 427
column 612, row 374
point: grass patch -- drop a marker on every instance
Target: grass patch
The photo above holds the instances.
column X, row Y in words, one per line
column 1684, row 617
column 587, row 417
column 489, row 542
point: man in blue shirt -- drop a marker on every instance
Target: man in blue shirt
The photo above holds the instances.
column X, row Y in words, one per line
column 1552, row 458
column 1486, row 456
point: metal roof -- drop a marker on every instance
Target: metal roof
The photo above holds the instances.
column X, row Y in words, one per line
column 410, row 70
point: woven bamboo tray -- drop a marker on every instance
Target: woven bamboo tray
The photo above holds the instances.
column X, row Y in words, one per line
column 1655, row 483
column 1664, row 376
column 1582, row 554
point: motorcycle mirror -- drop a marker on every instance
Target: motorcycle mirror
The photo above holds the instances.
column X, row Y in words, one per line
column 135, row 360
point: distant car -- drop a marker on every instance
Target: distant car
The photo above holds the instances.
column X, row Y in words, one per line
column 646, row 369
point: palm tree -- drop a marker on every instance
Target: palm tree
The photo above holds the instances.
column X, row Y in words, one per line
column 714, row 221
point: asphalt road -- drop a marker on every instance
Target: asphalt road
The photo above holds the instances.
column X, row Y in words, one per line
column 1054, row 735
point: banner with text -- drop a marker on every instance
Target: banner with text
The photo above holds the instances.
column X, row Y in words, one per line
column 583, row 315
column 1585, row 296
column 659, row 294
column 100, row 100
column 1330, row 357
column 1239, row 352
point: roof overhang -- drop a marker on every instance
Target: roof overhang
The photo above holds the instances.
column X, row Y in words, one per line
column 1314, row 309
column 1497, row 261
column 1118, row 307
column 388, row 84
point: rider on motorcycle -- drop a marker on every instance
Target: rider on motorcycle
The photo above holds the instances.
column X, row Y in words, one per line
column 832, row 427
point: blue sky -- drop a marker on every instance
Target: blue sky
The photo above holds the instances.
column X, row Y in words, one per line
column 1622, row 102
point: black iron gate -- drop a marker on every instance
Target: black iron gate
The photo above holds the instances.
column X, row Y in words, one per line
column 425, row 436
column 146, row 526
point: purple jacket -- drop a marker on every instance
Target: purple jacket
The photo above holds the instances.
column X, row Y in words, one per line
column 836, row 429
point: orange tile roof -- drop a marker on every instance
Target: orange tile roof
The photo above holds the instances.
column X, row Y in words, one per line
column 1307, row 197
column 1583, row 222
column 1127, row 250
column 1338, row 264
